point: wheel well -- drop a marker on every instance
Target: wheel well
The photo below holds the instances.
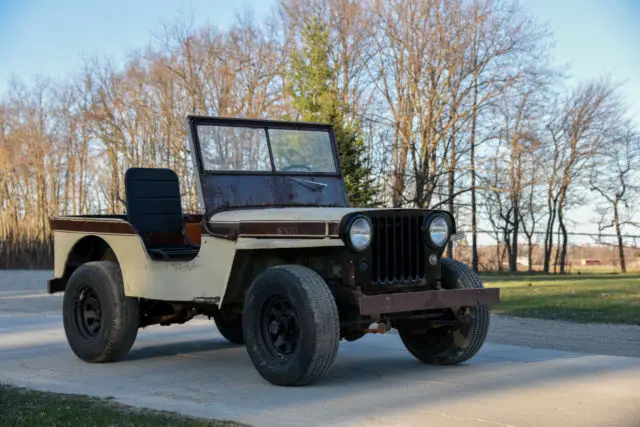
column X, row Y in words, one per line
column 87, row 249
column 326, row 261
column 248, row 264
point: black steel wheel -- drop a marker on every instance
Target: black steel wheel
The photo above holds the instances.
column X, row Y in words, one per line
column 280, row 326
column 449, row 344
column 100, row 322
column 291, row 325
column 88, row 313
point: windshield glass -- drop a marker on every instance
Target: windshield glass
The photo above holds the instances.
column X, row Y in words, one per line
column 251, row 149
column 301, row 150
column 234, row 148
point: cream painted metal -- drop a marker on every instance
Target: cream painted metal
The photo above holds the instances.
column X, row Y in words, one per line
column 203, row 278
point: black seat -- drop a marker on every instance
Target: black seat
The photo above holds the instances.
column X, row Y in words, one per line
column 154, row 206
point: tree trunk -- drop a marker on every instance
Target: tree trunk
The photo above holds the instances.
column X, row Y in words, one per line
column 563, row 230
column 474, row 211
column 513, row 261
column 399, row 163
column 563, row 253
column 530, row 254
column 558, row 250
column 506, row 234
column 452, row 178
column 503, row 252
column 616, row 218
column 498, row 252
column 548, row 237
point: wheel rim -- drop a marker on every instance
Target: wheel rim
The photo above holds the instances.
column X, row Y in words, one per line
column 280, row 327
column 88, row 313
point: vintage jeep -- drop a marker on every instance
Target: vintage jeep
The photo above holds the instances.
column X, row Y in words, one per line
column 277, row 258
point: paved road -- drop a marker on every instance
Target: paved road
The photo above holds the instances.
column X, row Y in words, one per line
column 191, row 369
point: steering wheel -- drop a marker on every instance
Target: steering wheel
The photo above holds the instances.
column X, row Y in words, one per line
column 303, row 166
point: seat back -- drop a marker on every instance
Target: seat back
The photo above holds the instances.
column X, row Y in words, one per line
column 153, row 200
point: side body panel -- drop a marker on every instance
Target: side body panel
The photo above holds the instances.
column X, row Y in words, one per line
column 202, row 279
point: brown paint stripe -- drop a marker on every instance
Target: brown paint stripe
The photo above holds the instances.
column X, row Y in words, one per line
column 230, row 230
column 334, row 229
column 283, row 229
column 87, row 225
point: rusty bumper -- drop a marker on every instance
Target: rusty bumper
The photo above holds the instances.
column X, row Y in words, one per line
column 423, row 300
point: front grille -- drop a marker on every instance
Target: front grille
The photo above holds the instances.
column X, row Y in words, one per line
column 397, row 248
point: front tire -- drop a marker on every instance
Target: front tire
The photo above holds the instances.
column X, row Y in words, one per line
column 291, row 325
column 100, row 322
column 448, row 345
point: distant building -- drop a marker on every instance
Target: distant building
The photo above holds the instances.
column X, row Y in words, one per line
column 591, row 262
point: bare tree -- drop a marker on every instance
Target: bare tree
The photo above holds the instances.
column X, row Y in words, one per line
column 577, row 131
column 614, row 177
column 533, row 207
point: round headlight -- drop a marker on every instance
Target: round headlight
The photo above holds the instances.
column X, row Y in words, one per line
column 360, row 234
column 438, row 231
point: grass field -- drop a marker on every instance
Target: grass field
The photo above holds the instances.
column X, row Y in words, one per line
column 606, row 298
column 21, row 407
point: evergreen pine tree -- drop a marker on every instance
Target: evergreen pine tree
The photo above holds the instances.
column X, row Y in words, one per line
column 313, row 87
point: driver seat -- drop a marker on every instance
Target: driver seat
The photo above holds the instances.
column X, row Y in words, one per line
column 154, row 205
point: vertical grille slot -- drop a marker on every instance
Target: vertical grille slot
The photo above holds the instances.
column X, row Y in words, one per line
column 397, row 248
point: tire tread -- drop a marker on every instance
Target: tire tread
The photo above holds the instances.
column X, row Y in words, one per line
column 125, row 315
column 478, row 334
column 465, row 278
column 318, row 306
column 319, row 298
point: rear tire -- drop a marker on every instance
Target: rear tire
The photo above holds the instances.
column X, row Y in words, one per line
column 448, row 345
column 291, row 325
column 230, row 328
column 100, row 322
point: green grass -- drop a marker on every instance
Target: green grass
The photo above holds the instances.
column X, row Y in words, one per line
column 21, row 407
column 605, row 298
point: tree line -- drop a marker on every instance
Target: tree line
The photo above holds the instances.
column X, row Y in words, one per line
column 452, row 104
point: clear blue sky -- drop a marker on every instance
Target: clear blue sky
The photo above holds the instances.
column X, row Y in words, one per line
column 51, row 37
column 596, row 37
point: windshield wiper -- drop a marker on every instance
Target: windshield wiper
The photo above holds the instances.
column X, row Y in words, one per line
column 312, row 185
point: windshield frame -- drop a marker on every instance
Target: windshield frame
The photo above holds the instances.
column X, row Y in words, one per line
column 192, row 129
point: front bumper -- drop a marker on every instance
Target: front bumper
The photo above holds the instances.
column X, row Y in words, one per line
column 424, row 300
